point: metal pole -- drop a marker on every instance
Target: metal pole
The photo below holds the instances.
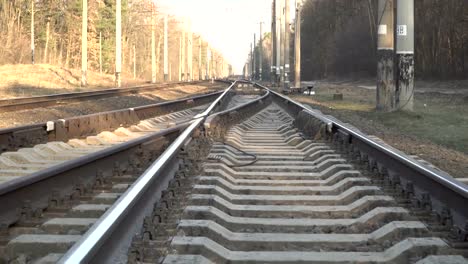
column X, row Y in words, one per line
column 297, row 46
column 405, row 54
column 32, row 32
column 287, row 31
column 260, row 55
column 386, row 100
column 84, row 44
column 166, row 51
column 118, row 44
column 153, row 45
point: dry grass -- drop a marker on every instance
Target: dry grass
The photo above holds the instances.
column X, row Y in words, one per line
column 22, row 80
column 437, row 130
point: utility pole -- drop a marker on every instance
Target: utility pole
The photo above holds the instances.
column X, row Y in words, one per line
column 166, row 51
column 287, row 31
column 278, row 40
column 179, row 78
column 189, row 52
column 260, row 55
column 134, row 61
column 297, row 46
column 100, row 52
column 118, row 44
column 251, row 62
column 254, row 66
column 405, row 55
column 386, row 100
column 32, row 32
column 208, row 57
column 282, row 44
column 84, row 44
column 199, row 59
column 153, row 45
column 47, row 39
column 183, row 52
column 273, row 42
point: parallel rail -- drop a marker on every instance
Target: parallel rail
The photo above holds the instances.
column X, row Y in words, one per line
column 77, row 127
column 16, row 104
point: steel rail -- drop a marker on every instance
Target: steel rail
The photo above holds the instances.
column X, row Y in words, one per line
column 81, row 126
column 88, row 246
column 450, row 192
column 22, row 103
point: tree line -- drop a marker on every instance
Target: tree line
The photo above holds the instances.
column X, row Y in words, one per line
column 57, row 37
column 339, row 38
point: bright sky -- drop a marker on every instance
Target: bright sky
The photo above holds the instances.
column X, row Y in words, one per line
column 228, row 25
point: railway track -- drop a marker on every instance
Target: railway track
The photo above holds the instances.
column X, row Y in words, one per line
column 16, row 104
column 265, row 181
column 12, row 139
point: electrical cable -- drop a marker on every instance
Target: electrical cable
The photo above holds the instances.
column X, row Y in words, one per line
column 218, row 158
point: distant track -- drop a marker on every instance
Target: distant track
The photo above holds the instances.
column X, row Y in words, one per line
column 16, row 104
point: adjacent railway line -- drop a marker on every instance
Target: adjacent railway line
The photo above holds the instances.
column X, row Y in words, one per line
column 252, row 177
column 16, row 104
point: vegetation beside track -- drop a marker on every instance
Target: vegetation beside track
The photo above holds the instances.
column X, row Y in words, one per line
column 436, row 131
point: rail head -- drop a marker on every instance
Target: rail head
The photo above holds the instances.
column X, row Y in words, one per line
column 93, row 239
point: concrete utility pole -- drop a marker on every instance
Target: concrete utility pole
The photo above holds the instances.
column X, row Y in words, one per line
column 166, row 51
column 134, row 61
column 405, row 54
column 100, row 52
column 279, row 49
column 260, row 55
column 189, row 52
column 84, row 44
column 153, row 45
column 32, row 32
column 251, row 62
column 287, row 33
column 199, row 59
column 273, row 42
column 386, row 100
column 208, row 57
column 283, row 44
column 297, row 46
column 254, row 59
column 179, row 78
column 183, row 54
column 118, row 44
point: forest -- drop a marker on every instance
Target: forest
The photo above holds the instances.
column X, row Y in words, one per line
column 57, row 38
column 338, row 39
